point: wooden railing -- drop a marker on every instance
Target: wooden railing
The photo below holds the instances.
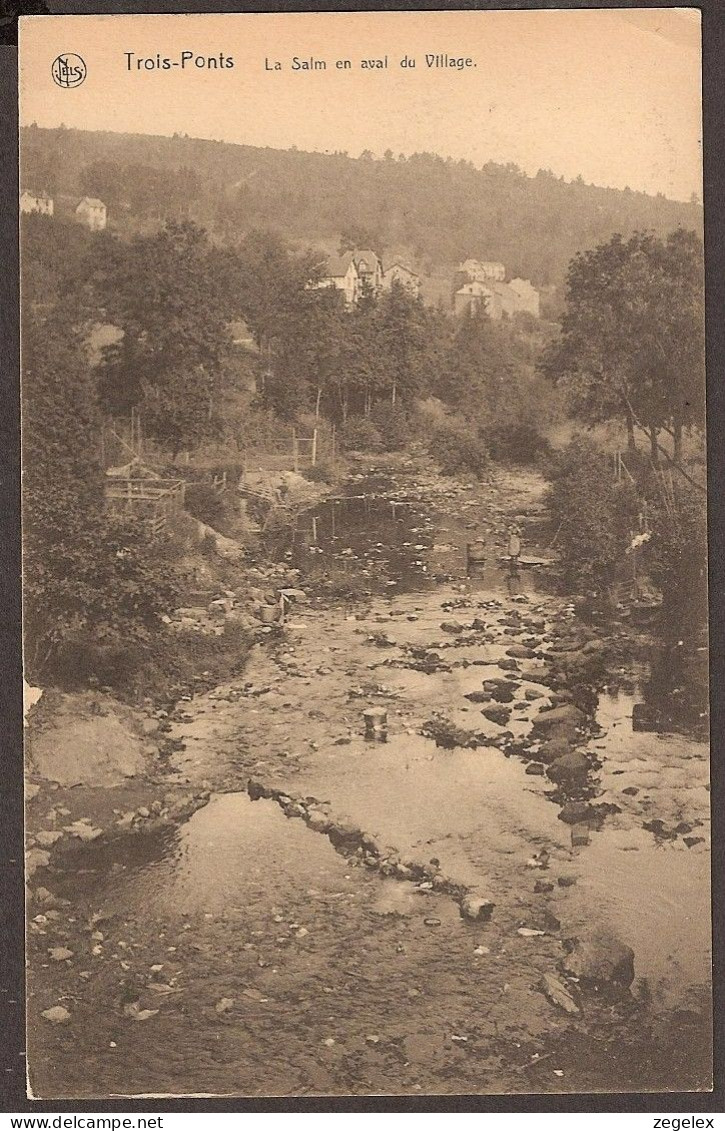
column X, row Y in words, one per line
column 150, row 500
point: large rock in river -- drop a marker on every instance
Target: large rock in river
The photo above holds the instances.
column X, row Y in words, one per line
column 599, row 959
column 553, row 749
column 567, row 715
column 571, row 767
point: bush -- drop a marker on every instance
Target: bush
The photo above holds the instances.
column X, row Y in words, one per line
column 204, row 503
column 178, row 662
column 321, row 473
column 677, row 558
column 359, row 434
column 459, row 450
column 81, row 661
column 394, row 425
column 517, row 442
column 89, row 577
column 593, row 512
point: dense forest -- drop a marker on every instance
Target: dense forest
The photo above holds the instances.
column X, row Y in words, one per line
column 437, row 211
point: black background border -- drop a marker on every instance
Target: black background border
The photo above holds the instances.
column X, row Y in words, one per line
column 12, row 1041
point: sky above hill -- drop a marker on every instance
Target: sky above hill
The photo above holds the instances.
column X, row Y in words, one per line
column 609, row 95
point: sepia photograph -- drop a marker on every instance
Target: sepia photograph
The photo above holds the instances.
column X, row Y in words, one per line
column 364, row 506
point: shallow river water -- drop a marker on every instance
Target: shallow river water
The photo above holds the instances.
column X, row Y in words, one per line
column 269, row 901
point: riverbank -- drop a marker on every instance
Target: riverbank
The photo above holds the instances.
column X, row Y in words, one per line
column 451, row 910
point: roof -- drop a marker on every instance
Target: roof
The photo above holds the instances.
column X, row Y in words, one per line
column 402, row 266
column 42, row 195
column 365, row 255
column 483, row 264
column 338, row 265
column 475, row 288
column 72, row 203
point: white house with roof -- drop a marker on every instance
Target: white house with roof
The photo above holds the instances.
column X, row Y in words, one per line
column 92, row 212
column 473, row 298
column 38, row 202
column 86, row 210
column 399, row 272
column 342, row 273
column 483, row 271
column 351, row 272
column 527, row 296
column 369, row 268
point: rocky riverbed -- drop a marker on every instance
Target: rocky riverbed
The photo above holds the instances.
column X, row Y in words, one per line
column 503, row 887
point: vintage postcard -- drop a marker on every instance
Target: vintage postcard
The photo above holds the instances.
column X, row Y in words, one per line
column 366, row 657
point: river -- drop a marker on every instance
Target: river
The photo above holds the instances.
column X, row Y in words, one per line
column 269, row 962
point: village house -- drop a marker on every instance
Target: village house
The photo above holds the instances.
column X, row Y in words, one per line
column 86, row 210
column 515, row 297
column 342, row 273
column 352, row 272
column 482, row 272
column 474, row 298
column 38, row 202
column 369, row 269
column 507, row 301
column 527, row 296
column 399, row 272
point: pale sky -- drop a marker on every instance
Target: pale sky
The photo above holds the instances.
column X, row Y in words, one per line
column 613, row 95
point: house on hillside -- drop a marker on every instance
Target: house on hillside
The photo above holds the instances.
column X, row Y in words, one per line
column 482, row 272
column 398, row 272
column 506, row 300
column 515, row 297
column 369, row 269
column 39, row 202
column 86, row 210
column 342, row 273
column 474, row 298
column 353, row 271
column 527, row 296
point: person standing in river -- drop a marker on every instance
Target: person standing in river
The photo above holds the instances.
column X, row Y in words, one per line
column 514, row 548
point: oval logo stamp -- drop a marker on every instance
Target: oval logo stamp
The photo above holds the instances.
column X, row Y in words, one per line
column 68, row 70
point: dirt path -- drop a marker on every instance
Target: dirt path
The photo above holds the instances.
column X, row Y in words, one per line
column 393, row 917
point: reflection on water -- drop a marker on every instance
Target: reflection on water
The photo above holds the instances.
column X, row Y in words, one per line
column 369, row 530
column 676, row 692
column 376, row 524
column 228, row 855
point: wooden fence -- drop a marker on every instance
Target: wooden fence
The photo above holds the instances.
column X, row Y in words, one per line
column 150, row 500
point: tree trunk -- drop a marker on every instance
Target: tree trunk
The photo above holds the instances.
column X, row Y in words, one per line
column 631, row 442
column 394, row 393
column 677, row 442
column 317, row 402
column 654, row 446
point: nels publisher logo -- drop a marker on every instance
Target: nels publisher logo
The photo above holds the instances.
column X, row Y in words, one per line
column 68, row 70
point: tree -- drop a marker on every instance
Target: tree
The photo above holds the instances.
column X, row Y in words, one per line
column 632, row 340
column 164, row 292
column 478, row 369
column 307, row 350
column 404, row 342
column 85, row 573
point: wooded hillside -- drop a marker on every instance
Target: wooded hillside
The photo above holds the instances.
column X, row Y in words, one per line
column 437, row 211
